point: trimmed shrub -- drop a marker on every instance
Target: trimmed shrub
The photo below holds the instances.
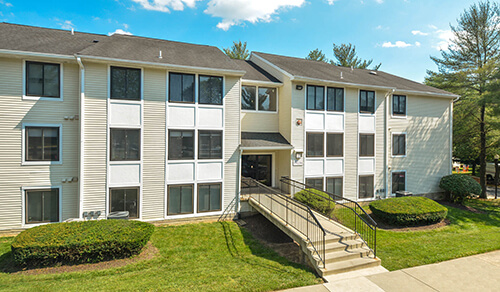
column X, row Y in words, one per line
column 316, row 200
column 408, row 211
column 459, row 187
column 80, row 242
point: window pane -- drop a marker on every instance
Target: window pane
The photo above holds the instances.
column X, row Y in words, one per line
column 267, row 99
column 365, row 186
column 215, row 197
column 35, row 144
column 125, row 144
column 125, row 83
column 188, row 144
column 210, row 145
column 133, row 84
column 315, row 183
column 399, row 144
column 132, row 202
column 51, row 206
column 133, row 145
column 174, row 200
column 366, row 145
column 42, row 206
column 311, row 93
column 118, row 82
column 248, row 97
column 42, row 144
column 210, row 90
column 314, row 144
column 51, row 80
column 187, row 88
column 334, row 144
column 334, row 185
column 335, row 99
column 34, row 79
column 402, row 105
column 203, row 198
column 187, row 199
column 398, row 182
column 117, row 200
column 320, row 98
column 367, row 101
column 51, row 144
column 34, row 206
column 175, row 87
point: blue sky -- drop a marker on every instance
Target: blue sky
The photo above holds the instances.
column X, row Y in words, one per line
column 401, row 34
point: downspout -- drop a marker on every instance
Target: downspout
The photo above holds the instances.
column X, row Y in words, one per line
column 82, row 134
column 387, row 141
column 451, row 134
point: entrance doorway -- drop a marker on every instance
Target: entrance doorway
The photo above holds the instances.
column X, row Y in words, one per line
column 257, row 167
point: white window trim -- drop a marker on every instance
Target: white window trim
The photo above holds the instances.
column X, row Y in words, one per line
column 374, row 103
column 392, row 144
column 23, row 202
column 61, row 83
column 374, row 190
column 256, row 110
column 393, row 116
column 23, row 144
column 406, row 179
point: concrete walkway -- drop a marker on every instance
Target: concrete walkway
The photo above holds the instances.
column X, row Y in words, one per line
column 473, row 273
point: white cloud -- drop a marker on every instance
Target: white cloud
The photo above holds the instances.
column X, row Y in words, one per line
column 398, row 44
column 166, row 5
column 418, row 32
column 67, row 24
column 417, row 44
column 432, row 26
column 235, row 12
column 6, row 3
column 331, row 2
column 125, row 26
column 379, row 1
column 120, row 31
column 445, row 37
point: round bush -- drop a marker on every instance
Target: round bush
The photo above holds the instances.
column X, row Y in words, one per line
column 459, row 187
column 316, row 200
column 80, row 242
column 408, row 211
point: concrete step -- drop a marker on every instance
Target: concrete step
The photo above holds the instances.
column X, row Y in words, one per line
column 344, row 245
column 349, row 265
column 331, row 238
column 344, row 255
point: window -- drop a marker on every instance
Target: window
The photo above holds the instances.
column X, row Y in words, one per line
column 125, row 83
column 315, row 145
column 335, row 99
column 125, row 200
column 334, row 186
column 180, row 144
column 399, row 105
column 209, row 197
column 398, row 181
column 334, row 145
column 267, row 99
column 315, row 97
column 42, row 206
column 210, row 144
column 366, row 145
column 180, row 199
column 366, row 187
column 316, row 183
column 399, row 144
column 366, row 101
column 210, row 90
column 248, row 97
column 43, row 79
column 42, row 144
column 125, row 144
column 181, row 88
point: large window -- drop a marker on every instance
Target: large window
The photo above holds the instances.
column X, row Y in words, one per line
column 209, row 144
column 42, row 206
column 334, row 145
column 399, row 105
column 209, row 197
column 180, row 144
column 181, row 88
column 267, row 99
column 335, row 99
column 42, row 144
column 366, row 145
column 398, row 181
column 125, row 83
column 125, row 200
column 315, row 97
column 399, row 144
column 316, row 183
column 125, row 144
column 43, row 79
column 366, row 101
column 210, row 90
column 248, row 94
column 366, row 187
column 315, row 144
column 334, row 186
column 180, row 199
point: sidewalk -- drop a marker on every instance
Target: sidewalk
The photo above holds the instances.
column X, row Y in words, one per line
column 474, row 273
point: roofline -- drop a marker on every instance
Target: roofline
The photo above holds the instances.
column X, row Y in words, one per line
column 259, row 82
column 289, row 75
column 211, row 70
column 266, row 147
column 36, row 54
column 427, row 93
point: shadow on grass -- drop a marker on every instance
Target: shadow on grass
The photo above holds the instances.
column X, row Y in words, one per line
column 7, row 264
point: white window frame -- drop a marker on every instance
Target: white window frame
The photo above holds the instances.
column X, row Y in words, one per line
column 256, row 110
column 61, row 83
column 392, row 144
column 406, row 179
column 23, row 148
column 23, row 202
column 405, row 116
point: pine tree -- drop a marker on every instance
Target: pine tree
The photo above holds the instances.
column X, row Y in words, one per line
column 237, row 51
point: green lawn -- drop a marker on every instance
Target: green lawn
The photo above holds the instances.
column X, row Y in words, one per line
column 195, row 257
column 468, row 233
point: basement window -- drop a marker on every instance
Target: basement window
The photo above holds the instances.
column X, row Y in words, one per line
column 209, row 197
column 180, row 199
column 42, row 206
column 125, row 200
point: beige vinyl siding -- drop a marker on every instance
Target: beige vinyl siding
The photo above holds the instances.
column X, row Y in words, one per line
column 15, row 113
column 379, row 179
column 351, row 144
column 231, row 139
column 96, row 92
column 428, row 143
column 153, row 193
column 259, row 122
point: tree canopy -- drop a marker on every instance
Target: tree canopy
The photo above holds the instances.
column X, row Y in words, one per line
column 317, row 55
column 237, row 51
column 347, row 57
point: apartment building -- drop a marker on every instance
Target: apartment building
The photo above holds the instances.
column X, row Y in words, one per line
column 91, row 124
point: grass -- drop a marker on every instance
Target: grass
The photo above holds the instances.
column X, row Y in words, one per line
column 467, row 234
column 195, row 257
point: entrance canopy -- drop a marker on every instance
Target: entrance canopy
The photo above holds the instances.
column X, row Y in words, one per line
column 263, row 141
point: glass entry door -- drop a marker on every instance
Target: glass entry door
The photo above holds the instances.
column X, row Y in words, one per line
column 257, row 167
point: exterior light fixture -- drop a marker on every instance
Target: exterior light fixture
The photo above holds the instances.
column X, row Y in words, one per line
column 299, row 87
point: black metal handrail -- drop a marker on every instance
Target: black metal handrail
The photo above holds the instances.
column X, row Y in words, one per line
column 366, row 229
column 292, row 212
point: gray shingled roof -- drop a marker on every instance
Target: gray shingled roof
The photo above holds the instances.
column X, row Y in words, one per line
column 299, row 67
column 254, row 72
column 263, row 140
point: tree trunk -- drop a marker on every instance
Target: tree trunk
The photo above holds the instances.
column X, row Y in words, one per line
column 474, row 168
column 482, row 155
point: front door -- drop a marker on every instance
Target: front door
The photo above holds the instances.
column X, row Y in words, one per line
column 257, row 167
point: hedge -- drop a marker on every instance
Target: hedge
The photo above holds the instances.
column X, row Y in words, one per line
column 80, row 242
column 459, row 187
column 316, row 200
column 408, row 211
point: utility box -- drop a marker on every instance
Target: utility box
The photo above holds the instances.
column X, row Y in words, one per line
column 118, row 215
column 403, row 194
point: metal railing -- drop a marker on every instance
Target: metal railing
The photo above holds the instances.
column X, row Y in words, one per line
column 347, row 212
column 293, row 213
